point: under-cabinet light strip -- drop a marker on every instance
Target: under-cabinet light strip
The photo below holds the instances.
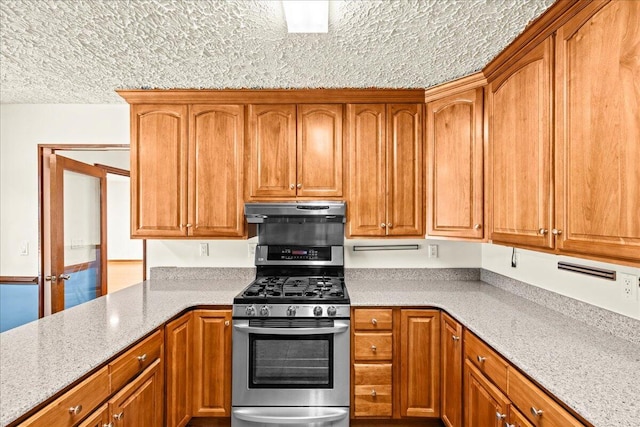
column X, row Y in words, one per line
column 589, row 271
column 386, row 248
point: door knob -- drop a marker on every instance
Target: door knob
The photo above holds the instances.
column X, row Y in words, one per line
column 50, row 278
column 292, row 186
column 64, row 277
column 299, row 185
column 556, row 232
column 543, row 231
column 477, row 226
column 383, row 225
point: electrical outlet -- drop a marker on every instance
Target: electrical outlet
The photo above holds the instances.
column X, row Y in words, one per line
column 204, row 249
column 433, row 251
column 252, row 250
column 24, row 248
column 629, row 286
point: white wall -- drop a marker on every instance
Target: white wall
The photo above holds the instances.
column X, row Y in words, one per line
column 236, row 253
column 541, row 269
column 22, row 128
column 119, row 243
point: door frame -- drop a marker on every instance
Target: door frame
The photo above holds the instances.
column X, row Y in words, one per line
column 43, row 183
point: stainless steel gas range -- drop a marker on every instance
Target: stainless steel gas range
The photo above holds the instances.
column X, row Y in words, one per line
column 291, row 341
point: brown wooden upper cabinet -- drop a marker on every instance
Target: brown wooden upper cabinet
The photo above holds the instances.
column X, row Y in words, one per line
column 187, row 170
column 590, row 170
column 295, row 151
column 385, row 196
column 520, row 166
column 597, row 152
column 455, row 173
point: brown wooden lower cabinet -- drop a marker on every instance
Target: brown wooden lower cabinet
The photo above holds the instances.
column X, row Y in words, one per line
column 178, row 359
column 484, row 403
column 140, row 403
column 373, row 395
column 99, row 418
column 451, row 371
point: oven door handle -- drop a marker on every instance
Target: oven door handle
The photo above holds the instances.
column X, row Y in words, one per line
column 338, row 328
column 280, row 416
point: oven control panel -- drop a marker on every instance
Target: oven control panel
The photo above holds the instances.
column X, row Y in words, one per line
column 299, row 253
column 292, row 310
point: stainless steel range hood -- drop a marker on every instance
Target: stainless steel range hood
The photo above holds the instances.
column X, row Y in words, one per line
column 295, row 212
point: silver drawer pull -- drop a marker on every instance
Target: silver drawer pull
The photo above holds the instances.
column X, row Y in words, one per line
column 506, row 424
column 374, row 322
column 500, row 416
column 481, row 359
column 455, row 337
column 536, row 412
column 119, row 416
column 75, row 410
column 107, row 425
column 142, row 358
column 373, row 393
column 374, row 348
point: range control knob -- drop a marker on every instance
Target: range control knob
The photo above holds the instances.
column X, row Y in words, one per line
column 291, row 311
column 264, row 311
column 250, row 311
column 317, row 311
column 331, row 311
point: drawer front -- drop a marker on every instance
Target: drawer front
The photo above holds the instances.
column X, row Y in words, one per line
column 516, row 419
column 84, row 398
column 135, row 360
column 372, row 390
column 372, row 319
column 540, row 409
column 373, row 346
column 486, row 360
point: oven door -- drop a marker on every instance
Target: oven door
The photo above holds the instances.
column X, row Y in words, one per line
column 290, row 417
column 291, row 362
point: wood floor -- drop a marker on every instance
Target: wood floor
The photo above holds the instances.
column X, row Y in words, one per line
column 123, row 273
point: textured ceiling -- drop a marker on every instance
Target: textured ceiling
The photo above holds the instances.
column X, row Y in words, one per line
column 80, row 51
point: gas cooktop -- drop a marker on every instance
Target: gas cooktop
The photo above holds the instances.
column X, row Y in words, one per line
column 288, row 289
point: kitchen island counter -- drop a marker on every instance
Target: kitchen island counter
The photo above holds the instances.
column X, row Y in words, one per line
column 593, row 372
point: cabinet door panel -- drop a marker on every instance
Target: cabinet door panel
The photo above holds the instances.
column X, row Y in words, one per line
column 319, row 151
column 455, row 153
column 272, row 142
column 373, row 390
column 158, row 170
column 483, row 401
column 212, row 363
column 520, row 151
column 598, row 131
column 404, row 170
column 179, row 334
column 367, row 175
column 216, row 140
column 420, row 370
column 451, row 392
column 140, row 403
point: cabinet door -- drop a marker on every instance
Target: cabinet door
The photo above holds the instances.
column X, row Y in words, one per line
column 405, row 199
column 272, row 146
column 216, row 141
column 451, row 392
column 99, row 418
column 484, row 404
column 212, row 363
column 367, row 170
column 516, row 419
column 455, row 156
column 598, row 131
column 140, row 403
column 420, row 368
column 179, row 341
column 373, row 390
column 158, row 170
column 319, row 151
column 520, row 151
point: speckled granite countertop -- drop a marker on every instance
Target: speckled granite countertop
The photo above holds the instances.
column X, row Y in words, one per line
column 595, row 373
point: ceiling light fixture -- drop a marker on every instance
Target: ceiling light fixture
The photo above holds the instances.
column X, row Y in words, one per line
column 306, row 16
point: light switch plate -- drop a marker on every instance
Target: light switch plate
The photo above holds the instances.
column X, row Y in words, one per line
column 204, row 249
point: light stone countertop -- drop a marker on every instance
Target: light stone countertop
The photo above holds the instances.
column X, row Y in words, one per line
column 593, row 372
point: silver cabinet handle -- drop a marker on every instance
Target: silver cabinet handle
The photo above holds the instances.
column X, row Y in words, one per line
column 543, row 231
column 373, row 393
column 292, row 186
column 500, row 416
column 299, row 185
column 481, row 359
column 227, row 323
column 477, row 226
column 374, row 348
column 142, row 358
column 64, row 277
column 383, row 225
column 107, row 425
column 536, row 412
column 374, row 322
column 556, row 232
column 75, row 410
column 389, row 225
column 455, row 337
column 506, row 424
column 118, row 416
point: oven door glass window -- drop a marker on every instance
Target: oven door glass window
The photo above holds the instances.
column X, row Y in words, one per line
column 291, row 361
